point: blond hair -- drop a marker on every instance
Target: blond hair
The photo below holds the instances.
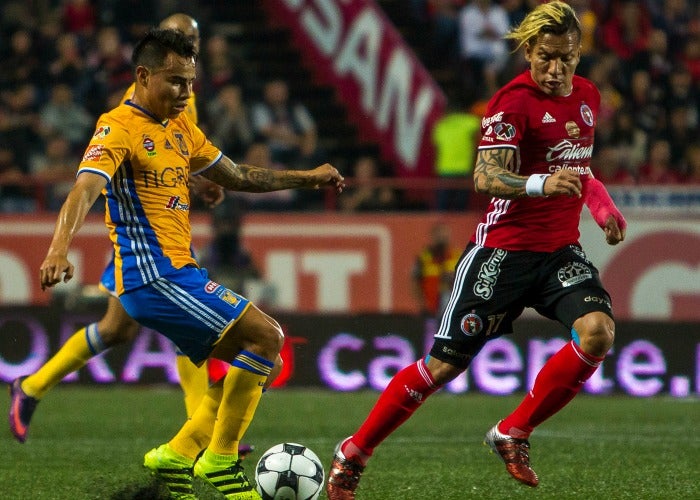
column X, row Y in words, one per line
column 556, row 18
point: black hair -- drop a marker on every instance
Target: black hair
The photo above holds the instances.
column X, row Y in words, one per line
column 153, row 49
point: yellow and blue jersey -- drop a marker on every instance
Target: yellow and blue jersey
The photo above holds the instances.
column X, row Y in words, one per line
column 146, row 164
column 190, row 110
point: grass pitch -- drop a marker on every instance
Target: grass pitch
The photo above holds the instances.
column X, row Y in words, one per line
column 88, row 443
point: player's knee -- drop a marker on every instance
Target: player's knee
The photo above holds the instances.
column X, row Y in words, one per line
column 596, row 333
column 117, row 332
column 441, row 371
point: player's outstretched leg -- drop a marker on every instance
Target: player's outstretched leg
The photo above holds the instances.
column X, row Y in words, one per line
column 21, row 410
column 515, row 453
column 171, row 469
column 344, row 475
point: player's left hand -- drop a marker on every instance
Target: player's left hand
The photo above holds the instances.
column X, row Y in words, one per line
column 328, row 175
column 210, row 192
column 614, row 234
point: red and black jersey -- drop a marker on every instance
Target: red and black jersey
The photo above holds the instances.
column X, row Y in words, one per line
column 547, row 133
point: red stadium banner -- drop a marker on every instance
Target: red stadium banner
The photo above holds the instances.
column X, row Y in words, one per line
column 388, row 93
column 336, row 263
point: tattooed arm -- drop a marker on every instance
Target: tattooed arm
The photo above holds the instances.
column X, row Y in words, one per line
column 240, row 177
column 493, row 175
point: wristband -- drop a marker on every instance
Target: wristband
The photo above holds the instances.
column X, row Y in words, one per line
column 535, row 184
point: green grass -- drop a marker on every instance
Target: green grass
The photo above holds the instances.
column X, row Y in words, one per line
column 88, row 443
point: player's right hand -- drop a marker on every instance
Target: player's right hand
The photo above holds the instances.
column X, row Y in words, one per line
column 54, row 269
column 563, row 182
column 328, row 175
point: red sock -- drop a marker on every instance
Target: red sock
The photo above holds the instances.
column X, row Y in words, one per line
column 404, row 394
column 559, row 380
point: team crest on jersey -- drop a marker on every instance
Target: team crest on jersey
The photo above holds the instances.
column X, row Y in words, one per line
column 168, row 145
column 101, row 132
column 471, row 324
column 504, row 131
column 573, row 129
column 181, row 144
column 574, row 273
column 587, row 114
column 211, row 286
column 149, row 146
column 228, row 296
column 94, row 152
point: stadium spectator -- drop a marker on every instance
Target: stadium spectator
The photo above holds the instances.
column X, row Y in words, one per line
column 79, row 17
column 366, row 195
column 229, row 121
column 108, row 66
column 483, row 51
column 19, row 122
column 434, row 270
column 626, row 29
column 690, row 58
column 524, row 253
column 153, row 287
column 53, row 168
column 679, row 133
column 692, row 154
column 658, row 168
column 629, row 140
column 287, row 126
column 20, row 62
column 64, row 116
column 655, row 59
column 455, row 136
column 68, row 65
column 220, row 67
column 609, row 166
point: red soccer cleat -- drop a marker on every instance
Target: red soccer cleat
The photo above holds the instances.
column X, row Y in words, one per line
column 515, row 454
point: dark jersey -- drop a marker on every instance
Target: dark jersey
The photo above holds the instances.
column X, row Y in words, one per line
column 547, row 133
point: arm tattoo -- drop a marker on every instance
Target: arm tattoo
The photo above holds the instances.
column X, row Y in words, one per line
column 493, row 175
column 241, row 177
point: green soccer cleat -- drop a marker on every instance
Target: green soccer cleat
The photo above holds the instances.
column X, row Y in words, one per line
column 171, row 469
column 231, row 481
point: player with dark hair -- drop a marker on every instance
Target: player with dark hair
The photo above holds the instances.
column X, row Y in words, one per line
column 116, row 326
column 534, row 159
column 141, row 158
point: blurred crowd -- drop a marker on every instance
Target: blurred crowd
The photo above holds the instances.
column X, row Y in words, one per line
column 64, row 62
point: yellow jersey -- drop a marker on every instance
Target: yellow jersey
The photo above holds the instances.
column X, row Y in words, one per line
column 146, row 164
column 191, row 108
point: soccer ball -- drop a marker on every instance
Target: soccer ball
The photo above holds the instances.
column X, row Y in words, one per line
column 289, row 471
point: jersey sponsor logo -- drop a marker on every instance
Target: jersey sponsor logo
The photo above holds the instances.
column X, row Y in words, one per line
column 579, row 251
column 574, row 273
column 174, row 203
column 504, row 131
column 211, row 286
column 573, row 129
column 569, row 151
column 149, row 146
column 547, row 118
column 101, row 132
column 94, row 152
column 414, row 394
column 471, row 324
column 488, row 274
column 598, row 300
column 587, row 114
column 490, row 120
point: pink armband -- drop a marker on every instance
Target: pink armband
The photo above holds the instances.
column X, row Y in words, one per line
column 601, row 205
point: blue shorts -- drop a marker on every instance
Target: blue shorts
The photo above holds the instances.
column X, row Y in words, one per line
column 188, row 308
column 108, row 281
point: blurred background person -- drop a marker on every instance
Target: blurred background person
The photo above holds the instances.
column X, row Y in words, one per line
column 365, row 195
column 434, row 270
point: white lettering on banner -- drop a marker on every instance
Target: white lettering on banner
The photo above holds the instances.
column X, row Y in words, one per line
column 382, row 368
column 645, row 364
column 333, row 271
column 324, row 31
column 15, row 287
column 284, row 265
column 141, row 357
column 37, row 353
column 358, row 55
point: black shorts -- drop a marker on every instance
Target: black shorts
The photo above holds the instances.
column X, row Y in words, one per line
column 493, row 286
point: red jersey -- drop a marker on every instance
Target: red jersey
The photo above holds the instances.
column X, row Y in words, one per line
column 547, row 133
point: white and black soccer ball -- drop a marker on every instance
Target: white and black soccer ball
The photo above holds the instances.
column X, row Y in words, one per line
column 289, row 471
